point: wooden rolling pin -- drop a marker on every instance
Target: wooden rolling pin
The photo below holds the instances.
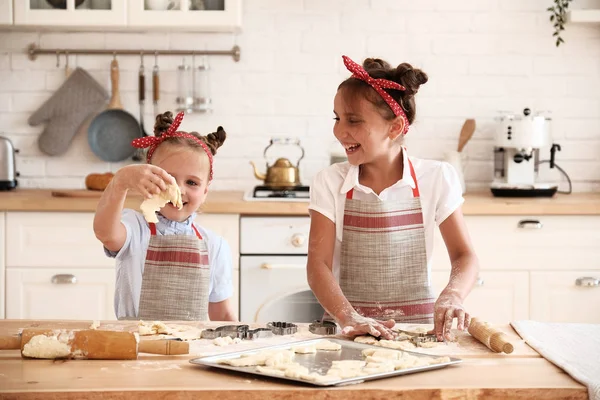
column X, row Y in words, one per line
column 494, row 339
column 87, row 344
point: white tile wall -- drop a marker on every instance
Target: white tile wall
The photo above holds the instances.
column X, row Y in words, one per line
column 481, row 56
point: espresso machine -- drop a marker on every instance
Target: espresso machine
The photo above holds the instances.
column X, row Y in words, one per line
column 519, row 139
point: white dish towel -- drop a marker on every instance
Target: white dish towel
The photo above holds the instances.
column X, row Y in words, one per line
column 573, row 347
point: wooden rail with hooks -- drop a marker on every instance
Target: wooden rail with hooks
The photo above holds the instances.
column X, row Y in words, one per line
column 33, row 51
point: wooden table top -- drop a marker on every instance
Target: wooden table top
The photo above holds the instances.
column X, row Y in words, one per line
column 482, row 374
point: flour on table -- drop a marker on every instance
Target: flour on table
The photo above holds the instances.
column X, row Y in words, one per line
column 226, row 341
column 150, row 206
column 366, row 339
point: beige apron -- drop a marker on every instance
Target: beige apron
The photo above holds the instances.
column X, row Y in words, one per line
column 383, row 264
column 176, row 276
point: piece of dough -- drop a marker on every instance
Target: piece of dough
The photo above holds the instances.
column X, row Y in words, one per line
column 428, row 345
column 392, row 344
column 42, row 346
column 305, row 349
column 95, row 324
column 366, row 339
column 327, row 345
column 150, row 206
column 152, row 328
column 296, row 371
column 280, row 358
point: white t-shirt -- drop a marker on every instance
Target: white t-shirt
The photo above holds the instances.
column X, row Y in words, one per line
column 439, row 187
column 130, row 260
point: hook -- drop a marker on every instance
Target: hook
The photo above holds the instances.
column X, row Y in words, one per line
column 142, row 58
column 155, row 57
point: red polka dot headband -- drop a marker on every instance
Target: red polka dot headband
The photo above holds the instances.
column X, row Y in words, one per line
column 152, row 142
column 379, row 85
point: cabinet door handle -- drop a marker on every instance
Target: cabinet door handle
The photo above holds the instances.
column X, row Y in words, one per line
column 530, row 223
column 298, row 240
column 587, row 281
column 479, row 282
column 63, row 278
column 282, row 266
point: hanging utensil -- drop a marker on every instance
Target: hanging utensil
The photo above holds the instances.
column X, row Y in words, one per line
column 139, row 153
column 155, row 86
column 465, row 134
column 111, row 132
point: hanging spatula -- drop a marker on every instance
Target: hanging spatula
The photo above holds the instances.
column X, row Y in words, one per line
column 465, row 133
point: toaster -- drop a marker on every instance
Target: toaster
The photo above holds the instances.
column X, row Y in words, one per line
column 8, row 173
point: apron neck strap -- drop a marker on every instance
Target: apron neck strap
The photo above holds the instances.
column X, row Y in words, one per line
column 415, row 191
column 152, row 227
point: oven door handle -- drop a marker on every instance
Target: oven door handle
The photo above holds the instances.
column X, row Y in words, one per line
column 282, row 266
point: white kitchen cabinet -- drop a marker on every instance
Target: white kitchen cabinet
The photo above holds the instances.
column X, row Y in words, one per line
column 498, row 297
column 227, row 226
column 6, row 12
column 60, row 293
column 78, row 13
column 530, row 243
column 2, row 265
column 274, row 235
column 51, row 239
column 565, row 296
column 194, row 15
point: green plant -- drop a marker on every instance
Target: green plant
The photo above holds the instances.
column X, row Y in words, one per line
column 559, row 18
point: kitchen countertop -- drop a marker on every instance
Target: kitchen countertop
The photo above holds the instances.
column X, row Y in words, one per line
column 482, row 375
column 232, row 202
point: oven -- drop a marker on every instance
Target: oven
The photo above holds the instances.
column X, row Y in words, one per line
column 273, row 284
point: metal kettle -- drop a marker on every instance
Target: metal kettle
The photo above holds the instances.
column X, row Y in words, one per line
column 8, row 174
column 282, row 175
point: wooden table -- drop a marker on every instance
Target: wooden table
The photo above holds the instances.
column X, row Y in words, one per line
column 482, row 375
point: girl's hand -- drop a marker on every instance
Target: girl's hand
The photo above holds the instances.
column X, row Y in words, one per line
column 356, row 325
column 146, row 179
column 447, row 307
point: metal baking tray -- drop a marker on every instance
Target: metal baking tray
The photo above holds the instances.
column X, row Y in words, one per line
column 321, row 361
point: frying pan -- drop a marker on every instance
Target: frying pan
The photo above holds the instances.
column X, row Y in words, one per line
column 110, row 133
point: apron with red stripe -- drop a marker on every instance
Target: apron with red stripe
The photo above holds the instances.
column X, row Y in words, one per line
column 383, row 263
column 176, row 278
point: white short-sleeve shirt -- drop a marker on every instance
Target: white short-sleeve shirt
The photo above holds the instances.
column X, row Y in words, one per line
column 439, row 187
column 130, row 260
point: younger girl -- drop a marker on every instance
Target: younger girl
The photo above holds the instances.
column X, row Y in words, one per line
column 174, row 269
column 373, row 217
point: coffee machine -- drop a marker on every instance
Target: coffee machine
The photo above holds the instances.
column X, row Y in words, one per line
column 519, row 138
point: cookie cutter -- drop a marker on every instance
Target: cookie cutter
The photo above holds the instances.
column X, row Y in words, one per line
column 233, row 331
column 237, row 331
column 282, row 328
column 416, row 338
column 323, row 328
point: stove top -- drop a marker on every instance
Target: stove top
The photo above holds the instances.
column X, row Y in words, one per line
column 265, row 193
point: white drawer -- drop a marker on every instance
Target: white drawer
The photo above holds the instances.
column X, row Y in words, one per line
column 227, row 226
column 571, row 296
column 60, row 293
column 274, row 235
column 48, row 239
column 521, row 243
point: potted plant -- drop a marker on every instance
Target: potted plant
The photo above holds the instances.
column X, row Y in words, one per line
column 558, row 18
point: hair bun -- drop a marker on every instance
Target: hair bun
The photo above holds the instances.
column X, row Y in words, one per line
column 410, row 78
column 370, row 64
column 162, row 123
column 216, row 139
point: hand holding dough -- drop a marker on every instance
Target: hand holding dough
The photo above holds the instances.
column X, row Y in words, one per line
column 150, row 206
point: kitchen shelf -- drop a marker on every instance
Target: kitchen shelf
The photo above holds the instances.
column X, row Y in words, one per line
column 584, row 16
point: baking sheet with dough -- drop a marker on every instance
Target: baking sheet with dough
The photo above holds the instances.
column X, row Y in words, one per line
column 320, row 362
